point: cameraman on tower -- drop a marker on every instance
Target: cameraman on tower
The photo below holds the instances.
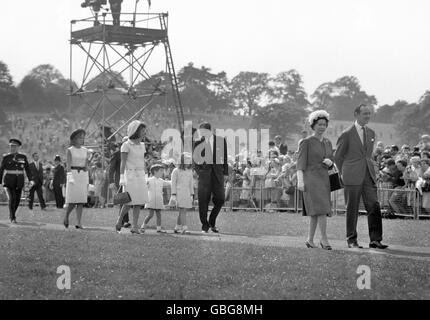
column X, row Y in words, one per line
column 115, row 8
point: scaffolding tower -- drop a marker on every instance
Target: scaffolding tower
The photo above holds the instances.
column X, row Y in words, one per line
column 113, row 70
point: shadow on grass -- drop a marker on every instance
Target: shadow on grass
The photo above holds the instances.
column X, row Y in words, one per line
column 31, row 224
column 98, row 229
column 252, row 236
column 404, row 253
column 3, row 225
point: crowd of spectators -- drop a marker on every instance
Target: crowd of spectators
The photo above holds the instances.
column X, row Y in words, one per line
column 255, row 181
column 403, row 170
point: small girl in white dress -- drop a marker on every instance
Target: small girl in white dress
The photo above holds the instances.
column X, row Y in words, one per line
column 183, row 191
column 156, row 203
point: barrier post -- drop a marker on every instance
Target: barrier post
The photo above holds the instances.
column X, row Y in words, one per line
column 261, row 199
column 231, row 198
column 419, row 197
column 296, row 201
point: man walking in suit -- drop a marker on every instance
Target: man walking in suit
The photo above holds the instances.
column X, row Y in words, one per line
column 354, row 159
column 210, row 158
column 36, row 169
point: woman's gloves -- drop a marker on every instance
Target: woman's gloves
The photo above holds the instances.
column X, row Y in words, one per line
column 328, row 162
column 70, row 178
column 122, row 180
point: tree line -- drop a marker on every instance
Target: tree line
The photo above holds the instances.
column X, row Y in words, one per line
column 276, row 101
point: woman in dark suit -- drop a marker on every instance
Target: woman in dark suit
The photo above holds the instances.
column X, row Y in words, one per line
column 314, row 160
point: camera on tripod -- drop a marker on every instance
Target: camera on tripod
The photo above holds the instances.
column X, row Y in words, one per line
column 94, row 4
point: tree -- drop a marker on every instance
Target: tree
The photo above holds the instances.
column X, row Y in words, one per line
column 194, row 99
column 32, row 94
column 107, row 81
column 284, row 118
column 413, row 120
column 288, row 87
column 159, row 84
column 45, row 74
column 341, row 97
column 248, row 91
column 45, row 89
column 9, row 94
column 2, row 117
column 385, row 113
column 214, row 87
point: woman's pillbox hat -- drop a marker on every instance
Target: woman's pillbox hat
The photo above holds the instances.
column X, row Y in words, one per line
column 76, row 133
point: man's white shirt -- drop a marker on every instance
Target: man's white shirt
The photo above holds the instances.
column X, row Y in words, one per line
column 360, row 131
column 211, row 142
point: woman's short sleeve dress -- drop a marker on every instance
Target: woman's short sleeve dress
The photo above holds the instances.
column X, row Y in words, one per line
column 135, row 181
column 77, row 192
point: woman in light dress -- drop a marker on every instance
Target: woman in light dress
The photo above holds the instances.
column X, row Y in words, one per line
column 77, row 177
column 132, row 173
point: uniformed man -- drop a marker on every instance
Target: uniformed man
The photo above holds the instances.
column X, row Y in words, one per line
column 12, row 170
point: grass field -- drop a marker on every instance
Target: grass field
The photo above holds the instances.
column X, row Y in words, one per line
column 253, row 264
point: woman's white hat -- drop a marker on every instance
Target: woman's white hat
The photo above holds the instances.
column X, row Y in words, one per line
column 318, row 114
column 132, row 127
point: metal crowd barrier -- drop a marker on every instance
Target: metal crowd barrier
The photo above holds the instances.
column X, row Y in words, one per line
column 404, row 202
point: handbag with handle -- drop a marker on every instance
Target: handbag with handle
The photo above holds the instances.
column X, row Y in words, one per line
column 335, row 180
column 334, row 176
column 121, row 198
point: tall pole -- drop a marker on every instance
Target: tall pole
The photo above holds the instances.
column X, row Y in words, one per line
column 104, row 93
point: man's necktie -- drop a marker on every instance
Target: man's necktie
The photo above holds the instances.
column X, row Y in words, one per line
column 364, row 137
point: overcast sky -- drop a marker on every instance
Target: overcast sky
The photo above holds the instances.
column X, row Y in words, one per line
column 384, row 43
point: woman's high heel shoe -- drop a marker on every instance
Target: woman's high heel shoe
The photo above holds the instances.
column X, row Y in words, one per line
column 326, row 247
column 66, row 224
column 118, row 228
column 308, row 244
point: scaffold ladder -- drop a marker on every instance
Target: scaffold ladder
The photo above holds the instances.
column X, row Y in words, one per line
column 172, row 73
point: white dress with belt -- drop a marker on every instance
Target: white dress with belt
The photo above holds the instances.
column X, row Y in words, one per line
column 77, row 192
column 135, row 181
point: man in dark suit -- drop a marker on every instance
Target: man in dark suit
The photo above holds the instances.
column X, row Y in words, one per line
column 36, row 169
column 283, row 148
column 58, row 181
column 114, row 175
column 354, row 159
column 210, row 159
